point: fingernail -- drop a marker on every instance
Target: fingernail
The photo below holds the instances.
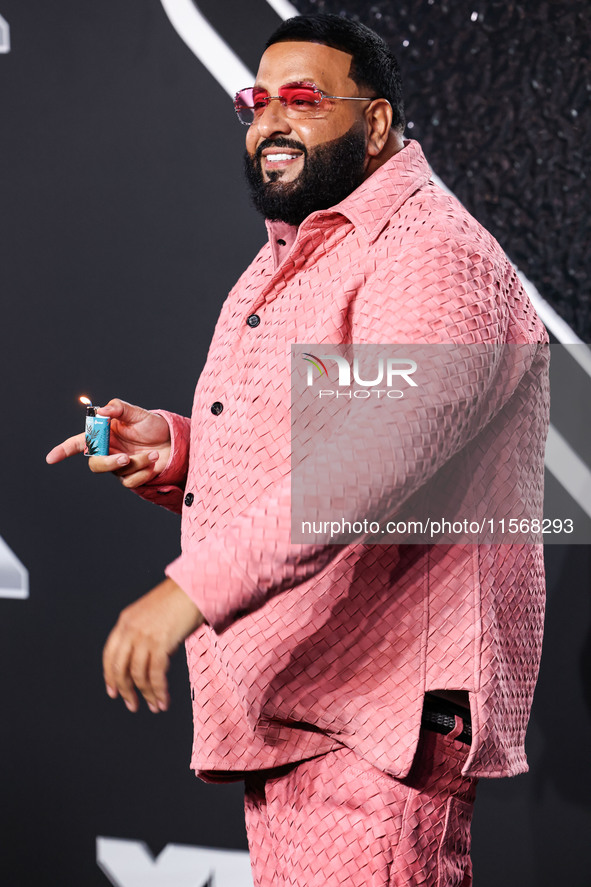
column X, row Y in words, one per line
column 129, row 705
column 111, row 692
column 153, row 457
column 162, row 705
column 153, row 708
column 122, row 460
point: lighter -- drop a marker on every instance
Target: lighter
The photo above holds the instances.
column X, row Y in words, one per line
column 97, row 430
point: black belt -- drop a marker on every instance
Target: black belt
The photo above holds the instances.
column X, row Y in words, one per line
column 440, row 715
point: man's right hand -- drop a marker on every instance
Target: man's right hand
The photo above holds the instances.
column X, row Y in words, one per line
column 139, row 446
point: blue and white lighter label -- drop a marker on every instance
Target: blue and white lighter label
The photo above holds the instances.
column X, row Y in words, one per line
column 98, row 432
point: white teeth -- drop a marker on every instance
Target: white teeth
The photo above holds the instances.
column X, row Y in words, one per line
column 275, row 158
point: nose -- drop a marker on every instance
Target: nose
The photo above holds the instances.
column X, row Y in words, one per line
column 272, row 120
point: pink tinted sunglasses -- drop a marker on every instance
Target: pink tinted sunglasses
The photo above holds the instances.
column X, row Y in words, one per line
column 298, row 99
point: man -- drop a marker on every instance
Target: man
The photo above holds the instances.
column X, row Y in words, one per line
column 338, row 680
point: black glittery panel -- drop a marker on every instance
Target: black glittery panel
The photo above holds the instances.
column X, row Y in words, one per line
column 498, row 95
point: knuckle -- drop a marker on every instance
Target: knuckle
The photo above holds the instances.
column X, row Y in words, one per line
column 128, row 481
column 159, row 664
column 157, row 677
column 98, row 464
column 127, row 617
column 124, row 620
column 138, row 677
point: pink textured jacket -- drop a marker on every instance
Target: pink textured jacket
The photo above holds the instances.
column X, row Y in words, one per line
column 308, row 648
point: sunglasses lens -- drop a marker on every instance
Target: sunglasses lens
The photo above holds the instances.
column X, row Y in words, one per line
column 300, row 98
column 243, row 105
column 248, row 103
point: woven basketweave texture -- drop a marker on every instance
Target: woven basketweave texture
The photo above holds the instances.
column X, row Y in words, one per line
column 337, row 820
column 308, row 647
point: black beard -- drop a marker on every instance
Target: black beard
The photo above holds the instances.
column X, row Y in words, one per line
column 331, row 172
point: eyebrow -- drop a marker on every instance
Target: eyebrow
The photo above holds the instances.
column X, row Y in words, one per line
column 299, row 81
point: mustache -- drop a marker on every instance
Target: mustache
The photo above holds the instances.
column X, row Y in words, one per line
column 280, row 142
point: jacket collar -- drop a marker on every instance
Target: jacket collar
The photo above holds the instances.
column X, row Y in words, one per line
column 374, row 202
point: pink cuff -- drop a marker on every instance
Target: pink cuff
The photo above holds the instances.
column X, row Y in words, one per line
column 167, row 488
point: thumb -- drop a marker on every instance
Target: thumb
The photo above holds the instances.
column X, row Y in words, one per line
column 127, row 413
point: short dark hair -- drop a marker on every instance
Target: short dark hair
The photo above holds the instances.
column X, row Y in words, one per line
column 374, row 65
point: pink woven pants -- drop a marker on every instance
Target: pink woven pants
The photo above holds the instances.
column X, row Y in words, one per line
column 336, row 820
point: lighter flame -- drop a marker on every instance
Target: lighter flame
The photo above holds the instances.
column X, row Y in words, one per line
column 85, row 401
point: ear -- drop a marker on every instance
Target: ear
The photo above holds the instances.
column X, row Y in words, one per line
column 378, row 117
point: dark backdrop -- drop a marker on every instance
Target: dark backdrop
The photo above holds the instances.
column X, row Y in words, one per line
column 124, row 224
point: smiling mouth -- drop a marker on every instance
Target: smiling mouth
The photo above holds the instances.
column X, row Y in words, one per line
column 279, row 159
column 275, row 157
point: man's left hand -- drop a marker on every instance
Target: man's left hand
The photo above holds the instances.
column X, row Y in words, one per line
column 138, row 649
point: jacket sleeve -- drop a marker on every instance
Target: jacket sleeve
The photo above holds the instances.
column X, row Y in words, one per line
column 167, row 488
column 386, row 458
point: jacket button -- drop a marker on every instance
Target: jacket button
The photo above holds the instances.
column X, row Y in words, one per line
column 189, row 499
column 253, row 320
column 216, row 408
